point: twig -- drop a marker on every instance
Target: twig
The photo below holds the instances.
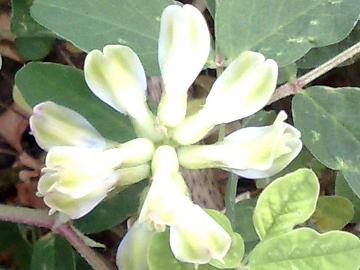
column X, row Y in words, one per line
column 67, row 231
column 40, row 218
column 291, row 88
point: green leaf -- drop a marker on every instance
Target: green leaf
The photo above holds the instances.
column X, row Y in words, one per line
column 342, row 189
column 328, row 119
column 286, row 202
column 66, row 86
column 9, row 232
column 52, row 252
column 243, row 225
column 160, row 255
column 287, row 74
column 33, row 41
column 353, row 179
column 112, row 211
column 318, row 56
column 332, row 213
column 34, row 48
column 283, row 30
column 94, row 24
column 22, row 24
column 11, row 237
column 306, row 249
column 211, row 7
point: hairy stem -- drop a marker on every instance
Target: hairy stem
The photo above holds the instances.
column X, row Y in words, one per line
column 67, row 231
column 40, row 218
column 291, row 88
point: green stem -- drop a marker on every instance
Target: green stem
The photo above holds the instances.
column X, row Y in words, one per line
column 291, row 88
column 230, row 195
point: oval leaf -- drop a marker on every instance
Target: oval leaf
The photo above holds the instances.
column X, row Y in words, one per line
column 66, row 86
column 328, row 119
column 306, row 249
column 332, row 213
column 94, row 24
column 286, row 202
column 52, row 252
column 283, row 30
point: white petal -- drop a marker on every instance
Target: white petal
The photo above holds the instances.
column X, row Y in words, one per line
column 242, row 89
column 55, row 125
column 184, row 45
column 198, row 238
column 254, row 152
column 117, row 77
column 74, row 208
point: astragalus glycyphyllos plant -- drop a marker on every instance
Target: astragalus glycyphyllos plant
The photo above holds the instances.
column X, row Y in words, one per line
column 82, row 167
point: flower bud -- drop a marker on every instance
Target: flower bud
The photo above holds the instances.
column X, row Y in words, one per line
column 55, row 125
column 198, row 238
column 184, row 45
column 76, row 179
column 254, row 152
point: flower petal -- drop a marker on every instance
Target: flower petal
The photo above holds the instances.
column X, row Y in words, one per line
column 198, row 238
column 254, row 152
column 76, row 171
column 55, row 125
column 75, row 207
column 168, row 196
column 184, row 45
column 242, row 89
column 117, row 77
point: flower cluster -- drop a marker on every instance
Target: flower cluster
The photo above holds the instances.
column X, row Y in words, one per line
column 82, row 166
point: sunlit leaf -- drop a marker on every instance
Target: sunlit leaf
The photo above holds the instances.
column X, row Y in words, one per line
column 286, row 202
column 306, row 249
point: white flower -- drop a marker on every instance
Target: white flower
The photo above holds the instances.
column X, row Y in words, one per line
column 76, row 179
column 184, row 45
column 117, row 77
column 198, row 238
column 241, row 90
column 254, row 152
column 194, row 236
column 55, row 125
